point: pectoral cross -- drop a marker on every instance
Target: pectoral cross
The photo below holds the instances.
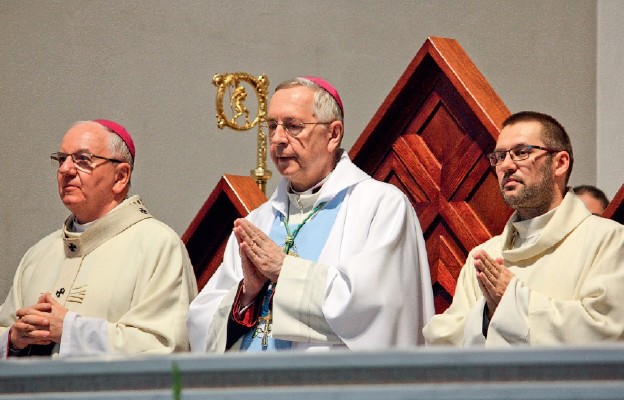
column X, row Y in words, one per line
column 264, row 325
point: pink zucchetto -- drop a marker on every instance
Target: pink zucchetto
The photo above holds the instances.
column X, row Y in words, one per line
column 328, row 87
column 120, row 131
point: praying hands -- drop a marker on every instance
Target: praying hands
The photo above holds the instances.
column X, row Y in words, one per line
column 40, row 324
column 493, row 279
column 261, row 258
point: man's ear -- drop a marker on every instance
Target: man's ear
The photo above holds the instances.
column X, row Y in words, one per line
column 336, row 130
column 123, row 172
column 561, row 163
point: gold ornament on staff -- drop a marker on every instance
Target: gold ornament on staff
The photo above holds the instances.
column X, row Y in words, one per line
column 232, row 84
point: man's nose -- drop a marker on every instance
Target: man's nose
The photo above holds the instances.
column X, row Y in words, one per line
column 507, row 162
column 67, row 166
column 279, row 134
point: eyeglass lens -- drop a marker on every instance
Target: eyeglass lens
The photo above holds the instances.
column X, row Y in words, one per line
column 518, row 153
column 291, row 126
column 82, row 160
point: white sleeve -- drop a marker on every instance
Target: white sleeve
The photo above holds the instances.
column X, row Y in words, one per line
column 510, row 323
column 204, row 307
column 83, row 336
column 297, row 304
column 473, row 328
column 380, row 295
column 4, row 344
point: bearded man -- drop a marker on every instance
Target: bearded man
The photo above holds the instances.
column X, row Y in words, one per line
column 555, row 274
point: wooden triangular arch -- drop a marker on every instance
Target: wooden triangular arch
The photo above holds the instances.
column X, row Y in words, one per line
column 615, row 209
column 429, row 138
column 205, row 238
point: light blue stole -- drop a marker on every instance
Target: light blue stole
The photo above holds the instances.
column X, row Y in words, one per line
column 309, row 243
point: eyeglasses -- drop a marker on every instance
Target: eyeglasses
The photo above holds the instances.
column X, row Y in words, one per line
column 83, row 160
column 292, row 126
column 517, row 153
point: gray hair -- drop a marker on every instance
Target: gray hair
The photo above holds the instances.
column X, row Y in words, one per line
column 120, row 151
column 326, row 108
column 118, row 148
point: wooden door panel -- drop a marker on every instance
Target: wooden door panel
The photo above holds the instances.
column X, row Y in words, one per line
column 429, row 138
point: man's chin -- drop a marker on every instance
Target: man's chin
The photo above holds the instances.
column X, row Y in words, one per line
column 511, row 199
column 283, row 165
column 71, row 201
column 287, row 171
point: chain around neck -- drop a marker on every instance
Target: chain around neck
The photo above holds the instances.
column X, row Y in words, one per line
column 290, row 237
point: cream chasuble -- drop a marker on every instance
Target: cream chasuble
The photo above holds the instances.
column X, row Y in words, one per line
column 126, row 281
column 567, row 287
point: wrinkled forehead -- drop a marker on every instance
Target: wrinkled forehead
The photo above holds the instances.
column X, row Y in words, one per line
column 524, row 132
column 293, row 102
column 88, row 136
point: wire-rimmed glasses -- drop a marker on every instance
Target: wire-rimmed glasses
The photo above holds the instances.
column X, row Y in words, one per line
column 83, row 160
column 292, row 126
column 517, row 153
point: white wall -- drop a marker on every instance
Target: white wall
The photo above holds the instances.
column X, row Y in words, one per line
column 149, row 64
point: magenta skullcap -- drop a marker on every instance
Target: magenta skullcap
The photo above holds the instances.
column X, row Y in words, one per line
column 120, row 131
column 328, row 87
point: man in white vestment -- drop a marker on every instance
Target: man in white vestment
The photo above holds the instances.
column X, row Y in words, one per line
column 555, row 275
column 113, row 279
column 334, row 259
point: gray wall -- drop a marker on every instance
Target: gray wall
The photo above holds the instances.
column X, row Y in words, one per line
column 610, row 96
column 149, row 64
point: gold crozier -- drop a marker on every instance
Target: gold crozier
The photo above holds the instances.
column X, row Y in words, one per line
column 234, row 84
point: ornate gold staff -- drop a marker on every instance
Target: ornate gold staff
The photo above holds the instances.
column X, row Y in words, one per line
column 232, row 82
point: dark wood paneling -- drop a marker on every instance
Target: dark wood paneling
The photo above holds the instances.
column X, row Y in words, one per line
column 429, row 138
column 615, row 209
column 233, row 197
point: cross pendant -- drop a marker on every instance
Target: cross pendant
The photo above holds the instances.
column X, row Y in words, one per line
column 266, row 329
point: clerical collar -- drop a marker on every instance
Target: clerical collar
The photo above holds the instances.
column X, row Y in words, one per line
column 529, row 230
column 302, row 203
column 77, row 227
column 314, row 189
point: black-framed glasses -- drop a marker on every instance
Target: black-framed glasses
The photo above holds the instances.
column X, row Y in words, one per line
column 517, row 153
column 83, row 160
column 292, row 126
